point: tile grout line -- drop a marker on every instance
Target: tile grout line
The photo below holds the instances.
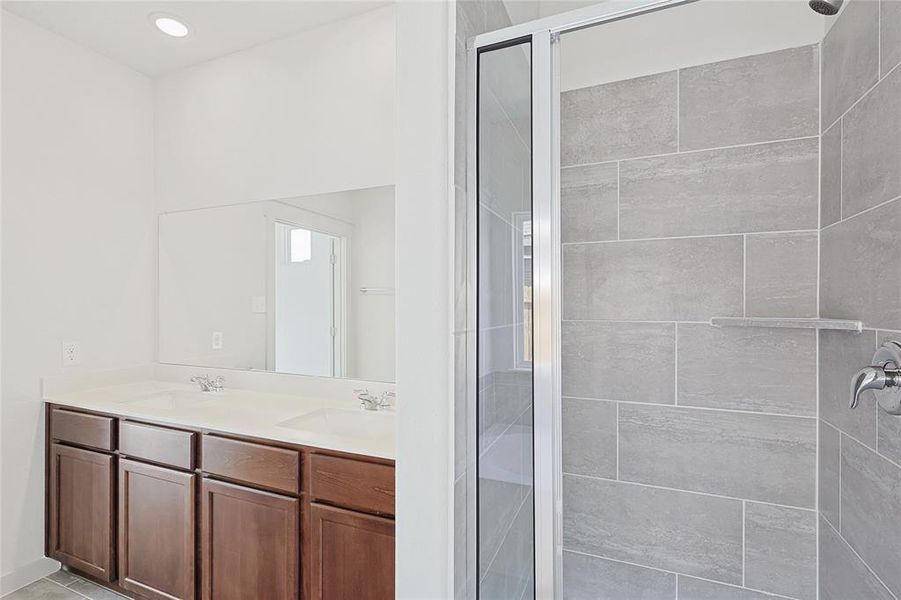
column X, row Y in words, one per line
column 676, row 573
column 693, row 407
column 617, row 441
column 744, row 545
column 867, row 446
column 860, row 558
column 618, row 204
column 861, row 97
column 683, row 491
column 676, row 364
column 744, row 275
column 695, row 151
column 816, row 496
column 854, row 216
column 678, row 110
column 693, row 236
column 66, row 587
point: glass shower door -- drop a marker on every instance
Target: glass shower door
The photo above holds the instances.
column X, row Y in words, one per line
column 504, row 318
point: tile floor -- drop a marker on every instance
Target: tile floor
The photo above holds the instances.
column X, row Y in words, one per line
column 63, row 585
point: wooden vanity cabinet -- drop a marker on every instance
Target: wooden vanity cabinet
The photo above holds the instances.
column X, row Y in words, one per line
column 353, row 554
column 81, row 514
column 160, row 512
column 249, row 543
column 156, row 531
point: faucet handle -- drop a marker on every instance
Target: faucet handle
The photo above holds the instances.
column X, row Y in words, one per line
column 868, row 378
column 883, row 377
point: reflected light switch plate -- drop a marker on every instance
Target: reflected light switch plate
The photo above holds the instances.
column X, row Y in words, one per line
column 217, row 340
column 258, row 305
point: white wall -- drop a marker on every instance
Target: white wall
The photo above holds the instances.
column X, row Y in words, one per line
column 682, row 36
column 78, row 236
column 424, row 292
column 308, row 114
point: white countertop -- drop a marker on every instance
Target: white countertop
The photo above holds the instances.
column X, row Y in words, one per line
column 324, row 423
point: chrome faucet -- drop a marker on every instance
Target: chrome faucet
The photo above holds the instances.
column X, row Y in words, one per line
column 369, row 401
column 208, row 384
column 883, row 377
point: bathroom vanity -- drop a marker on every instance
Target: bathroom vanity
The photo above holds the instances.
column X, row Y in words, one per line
column 170, row 493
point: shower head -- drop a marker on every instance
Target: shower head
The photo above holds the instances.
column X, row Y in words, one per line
column 826, row 7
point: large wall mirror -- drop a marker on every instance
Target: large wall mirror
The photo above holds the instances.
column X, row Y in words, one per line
column 296, row 285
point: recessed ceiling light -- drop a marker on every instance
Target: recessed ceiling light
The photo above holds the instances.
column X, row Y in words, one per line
column 170, row 25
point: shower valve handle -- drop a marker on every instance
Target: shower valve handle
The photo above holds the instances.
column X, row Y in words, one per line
column 883, row 378
column 872, row 378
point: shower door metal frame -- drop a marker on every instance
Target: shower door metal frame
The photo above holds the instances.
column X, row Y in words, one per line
column 544, row 35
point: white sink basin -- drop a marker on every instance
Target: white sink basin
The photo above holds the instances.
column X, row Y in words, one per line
column 170, row 399
column 344, row 422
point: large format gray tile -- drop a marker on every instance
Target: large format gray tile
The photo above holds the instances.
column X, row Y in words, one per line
column 855, row 256
column 871, row 487
column 63, row 577
column 657, row 280
column 758, row 457
column 850, row 58
column 667, row 529
column 636, row 117
column 781, row 550
column 751, row 99
column 698, row 589
column 831, row 175
column 588, row 204
column 890, row 34
column 591, row 578
column 829, row 459
column 871, row 148
column 841, row 355
column 766, row 370
column 842, row 574
column 599, row 360
column 781, row 275
column 94, row 591
column 889, row 436
column 43, row 589
column 764, row 187
column 589, row 437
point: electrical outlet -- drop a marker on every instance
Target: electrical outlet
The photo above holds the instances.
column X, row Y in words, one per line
column 217, row 340
column 71, row 354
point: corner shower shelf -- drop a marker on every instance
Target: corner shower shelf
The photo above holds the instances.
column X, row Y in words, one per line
column 788, row 323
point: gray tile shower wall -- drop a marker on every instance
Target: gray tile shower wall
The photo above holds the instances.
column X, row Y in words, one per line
column 860, row 462
column 690, row 451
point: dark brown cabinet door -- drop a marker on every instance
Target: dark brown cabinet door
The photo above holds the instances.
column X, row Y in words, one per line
column 249, row 543
column 352, row 555
column 156, row 531
column 81, row 510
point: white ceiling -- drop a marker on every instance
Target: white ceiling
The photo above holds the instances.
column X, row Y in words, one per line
column 122, row 30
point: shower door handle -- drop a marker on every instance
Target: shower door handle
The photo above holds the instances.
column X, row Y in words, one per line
column 884, row 378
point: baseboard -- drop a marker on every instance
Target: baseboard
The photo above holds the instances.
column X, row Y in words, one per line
column 29, row 573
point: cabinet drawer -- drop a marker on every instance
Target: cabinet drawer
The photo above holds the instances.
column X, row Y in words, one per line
column 157, row 444
column 352, row 483
column 265, row 466
column 80, row 428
